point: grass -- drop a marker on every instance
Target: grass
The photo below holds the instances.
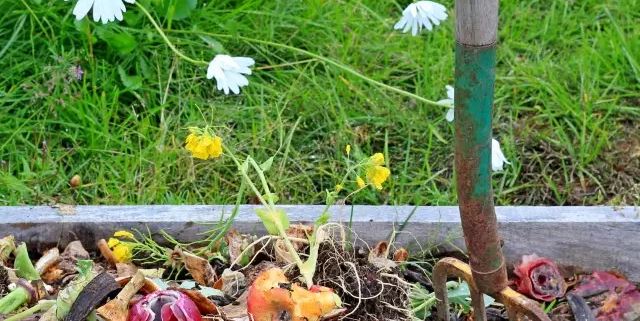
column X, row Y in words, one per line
column 566, row 110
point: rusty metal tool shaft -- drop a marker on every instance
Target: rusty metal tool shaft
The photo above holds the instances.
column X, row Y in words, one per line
column 476, row 42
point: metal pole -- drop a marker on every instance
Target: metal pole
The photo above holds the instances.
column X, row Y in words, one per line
column 476, row 42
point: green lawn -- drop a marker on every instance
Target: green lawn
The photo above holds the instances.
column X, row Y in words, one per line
column 567, row 105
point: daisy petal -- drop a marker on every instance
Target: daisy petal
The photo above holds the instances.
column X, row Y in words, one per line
column 82, row 8
column 229, row 72
column 421, row 14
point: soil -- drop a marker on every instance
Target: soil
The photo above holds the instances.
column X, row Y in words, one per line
column 4, row 280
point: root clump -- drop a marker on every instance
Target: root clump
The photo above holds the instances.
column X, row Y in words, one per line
column 368, row 293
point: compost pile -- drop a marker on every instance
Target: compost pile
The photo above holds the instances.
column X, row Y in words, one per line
column 131, row 276
column 233, row 276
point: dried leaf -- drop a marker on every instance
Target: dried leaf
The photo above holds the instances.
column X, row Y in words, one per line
column 236, row 244
column 299, row 231
column 234, row 283
column 199, row 268
column 378, row 256
column 70, row 257
column 153, row 273
column 7, row 246
column 401, row 255
column 237, row 310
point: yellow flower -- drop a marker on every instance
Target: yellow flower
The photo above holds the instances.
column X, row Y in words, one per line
column 113, row 242
column 377, row 159
column 204, row 146
column 360, row 182
column 124, row 234
column 122, row 252
column 339, row 187
column 376, row 175
column 347, row 149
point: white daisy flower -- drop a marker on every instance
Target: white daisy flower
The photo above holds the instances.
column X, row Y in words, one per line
column 229, row 72
column 497, row 157
column 103, row 10
column 421, row 14
column 448, row 101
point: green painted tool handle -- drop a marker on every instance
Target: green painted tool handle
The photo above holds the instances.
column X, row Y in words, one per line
column 476, row 42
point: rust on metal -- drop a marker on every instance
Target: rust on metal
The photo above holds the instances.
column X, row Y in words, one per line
column 449, row 267
column 517, row 305
column 475, row 76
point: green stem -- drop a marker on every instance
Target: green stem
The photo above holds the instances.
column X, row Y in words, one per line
column 166, row 39
column 234, row 213
column 263, row 180
column 14, row 300
column 245, row 176
column 308, row 268
column 41, row 306
column 323, row 59
column 22, row 264
column 294, row 253
column 427, row 303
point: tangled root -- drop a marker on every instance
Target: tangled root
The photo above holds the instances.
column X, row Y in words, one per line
column 367, row 293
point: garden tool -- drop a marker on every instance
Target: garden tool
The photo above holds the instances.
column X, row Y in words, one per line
column 476, row 42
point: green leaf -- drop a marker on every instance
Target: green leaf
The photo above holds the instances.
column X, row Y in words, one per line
column 118, row 39
column 271, row 218
column 271, row 197
column 84, row 267
column 323, row 218
column 179, row 9
column 70, row 293
column 267, row 164
column 83, row 26
column 461, row 296
column 331, row 197
column 244, row 168
column 130, row 82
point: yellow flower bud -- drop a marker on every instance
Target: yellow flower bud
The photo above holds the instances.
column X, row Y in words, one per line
column 124, row 234
column 113, row 242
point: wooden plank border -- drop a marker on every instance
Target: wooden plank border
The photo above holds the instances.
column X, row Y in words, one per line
column 594, row 237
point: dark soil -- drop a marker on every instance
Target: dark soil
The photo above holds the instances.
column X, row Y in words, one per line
column 4, row 280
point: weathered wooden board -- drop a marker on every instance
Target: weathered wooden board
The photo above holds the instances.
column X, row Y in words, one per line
column 589, row 237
